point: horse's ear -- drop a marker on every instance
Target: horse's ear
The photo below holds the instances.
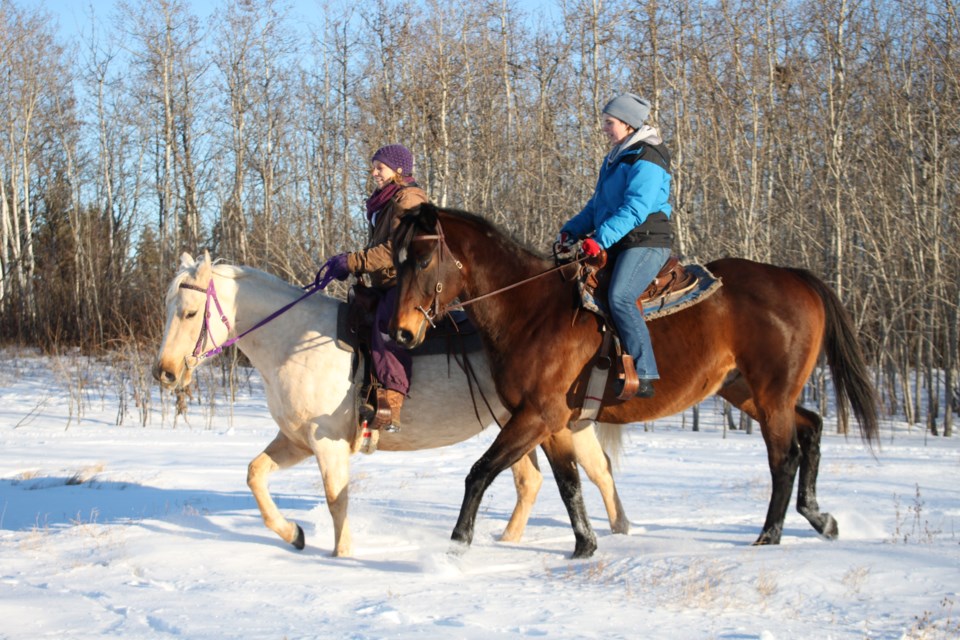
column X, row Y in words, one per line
column 428, row 214
column 203, row 266
column 186, row 260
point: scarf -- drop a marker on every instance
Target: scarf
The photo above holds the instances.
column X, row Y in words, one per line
column 379, row 198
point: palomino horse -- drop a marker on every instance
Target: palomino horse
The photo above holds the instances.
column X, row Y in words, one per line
column 307, row 379
column 754, row 342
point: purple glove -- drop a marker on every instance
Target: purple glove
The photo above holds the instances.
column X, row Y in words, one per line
column 336, row 269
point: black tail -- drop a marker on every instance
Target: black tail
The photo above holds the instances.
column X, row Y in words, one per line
column 851, row 378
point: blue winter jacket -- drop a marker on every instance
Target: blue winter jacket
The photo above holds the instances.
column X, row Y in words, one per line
column 630, row 190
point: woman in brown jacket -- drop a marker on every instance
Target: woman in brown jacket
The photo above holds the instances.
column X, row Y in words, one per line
column 396, row 193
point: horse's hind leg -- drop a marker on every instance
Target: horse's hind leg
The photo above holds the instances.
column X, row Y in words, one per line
column 596, row 464
column 809, row 430
column 527, row 479
column 279, row 454
column 783, row 455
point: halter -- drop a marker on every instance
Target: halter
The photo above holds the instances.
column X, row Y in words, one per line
column 199, row 355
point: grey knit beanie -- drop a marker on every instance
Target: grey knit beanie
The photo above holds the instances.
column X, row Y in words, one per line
column 397, row 157
column 629, row 108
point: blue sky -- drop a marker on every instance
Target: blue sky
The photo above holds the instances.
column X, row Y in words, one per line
column 73, row 15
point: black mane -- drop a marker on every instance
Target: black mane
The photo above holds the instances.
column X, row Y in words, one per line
column 423, row 220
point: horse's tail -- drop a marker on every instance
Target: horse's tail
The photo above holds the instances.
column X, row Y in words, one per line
column 848, row 368
column 611, row 440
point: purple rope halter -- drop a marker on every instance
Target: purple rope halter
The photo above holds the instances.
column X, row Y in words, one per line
column 199, row 355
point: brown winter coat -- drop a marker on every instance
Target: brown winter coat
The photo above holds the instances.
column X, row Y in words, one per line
column 377, row 258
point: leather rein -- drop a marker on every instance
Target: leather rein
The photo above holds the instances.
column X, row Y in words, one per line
column 435, row 312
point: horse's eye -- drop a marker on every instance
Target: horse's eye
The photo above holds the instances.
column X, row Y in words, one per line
column 190, row 314
column 423, row 263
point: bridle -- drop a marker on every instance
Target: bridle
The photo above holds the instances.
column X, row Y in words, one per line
column 436, row 312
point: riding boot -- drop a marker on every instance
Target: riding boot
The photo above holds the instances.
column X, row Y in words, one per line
column 629, row 386
column 389, row 403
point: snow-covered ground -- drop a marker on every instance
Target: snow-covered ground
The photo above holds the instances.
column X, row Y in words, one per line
column 150, row 532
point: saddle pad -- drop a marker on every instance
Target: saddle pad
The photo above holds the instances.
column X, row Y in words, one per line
column 705, row 285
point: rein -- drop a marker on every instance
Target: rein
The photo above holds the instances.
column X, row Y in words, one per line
column 210, row 291
column 436, row 312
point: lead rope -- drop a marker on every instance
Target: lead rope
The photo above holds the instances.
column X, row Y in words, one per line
column 211, row 293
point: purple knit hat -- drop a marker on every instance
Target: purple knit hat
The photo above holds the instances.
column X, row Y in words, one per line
column 397, row 157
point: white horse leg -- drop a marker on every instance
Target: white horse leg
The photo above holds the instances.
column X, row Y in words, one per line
column 279, row 454
column 527, row 479
column 333, row 456
column 595, row 462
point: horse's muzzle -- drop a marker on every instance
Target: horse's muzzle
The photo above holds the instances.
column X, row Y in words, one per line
column 407, row 339
column 167, row 379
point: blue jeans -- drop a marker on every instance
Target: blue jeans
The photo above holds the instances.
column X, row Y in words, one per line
column 634, row 270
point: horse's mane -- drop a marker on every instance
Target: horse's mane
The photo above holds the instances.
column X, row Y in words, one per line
column 425, row 218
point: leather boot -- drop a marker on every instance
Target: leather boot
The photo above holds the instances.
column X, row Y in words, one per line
column 629, row 386
column 388, row 399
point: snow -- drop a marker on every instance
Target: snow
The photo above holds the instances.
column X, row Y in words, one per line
column 125, row 531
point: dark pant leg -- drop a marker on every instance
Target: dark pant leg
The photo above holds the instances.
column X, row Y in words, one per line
column 392, row 364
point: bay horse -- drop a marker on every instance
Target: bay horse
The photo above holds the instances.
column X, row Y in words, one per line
column 754, row 342
column 307, row 378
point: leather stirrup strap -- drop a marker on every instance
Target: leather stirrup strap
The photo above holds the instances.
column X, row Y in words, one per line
column 630, row 380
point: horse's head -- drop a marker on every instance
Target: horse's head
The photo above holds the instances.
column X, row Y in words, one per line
column 187, row 328
column 429, row 276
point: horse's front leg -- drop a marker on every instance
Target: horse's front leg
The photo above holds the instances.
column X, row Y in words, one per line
column 333, row 456
column 279, row 454
column 559, row 450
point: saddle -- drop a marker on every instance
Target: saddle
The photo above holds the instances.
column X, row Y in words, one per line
column 676, row 287
column 672, row 280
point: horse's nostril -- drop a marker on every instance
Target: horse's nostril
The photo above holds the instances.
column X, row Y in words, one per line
column 404, row 336
column 163, row 376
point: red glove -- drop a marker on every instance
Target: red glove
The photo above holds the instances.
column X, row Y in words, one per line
column 590, row 248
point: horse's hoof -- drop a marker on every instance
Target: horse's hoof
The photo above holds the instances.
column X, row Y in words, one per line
column 766, row 539
column 831, row 530
column 300, row 541
column 457, row 548
column 584, row 549
column 621, row 528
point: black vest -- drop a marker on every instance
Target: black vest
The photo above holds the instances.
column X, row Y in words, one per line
column 657, row 229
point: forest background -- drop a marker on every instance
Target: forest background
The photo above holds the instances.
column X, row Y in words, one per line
column 809, row 133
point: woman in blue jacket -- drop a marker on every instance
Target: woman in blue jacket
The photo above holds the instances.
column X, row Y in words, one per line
column 629, row 216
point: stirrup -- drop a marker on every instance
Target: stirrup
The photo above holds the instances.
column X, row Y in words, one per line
column 630, row 381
